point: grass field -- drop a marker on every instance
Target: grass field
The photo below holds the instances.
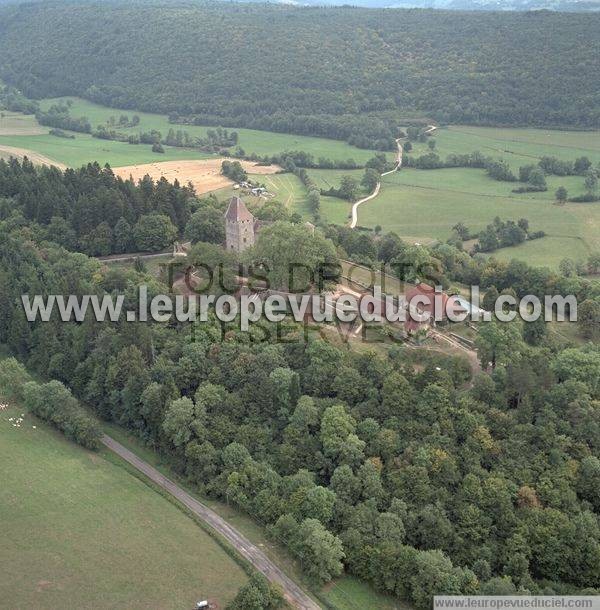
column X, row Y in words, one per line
column 86, row 149
column 288, row 189
column 251, row 140
column 17, row 124
column 517, row 146
column 78, row 531
column 424, row 205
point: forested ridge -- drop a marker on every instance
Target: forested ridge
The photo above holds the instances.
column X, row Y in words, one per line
column 346, row 73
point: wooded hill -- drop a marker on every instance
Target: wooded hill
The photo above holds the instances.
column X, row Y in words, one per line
column 346, row 73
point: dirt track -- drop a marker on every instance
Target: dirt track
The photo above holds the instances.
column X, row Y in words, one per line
column 292, row 592
column 34, row 157
column 205, row 175
column 430, row 129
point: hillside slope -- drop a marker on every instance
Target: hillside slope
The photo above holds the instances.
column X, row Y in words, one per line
column 337, row 72
column 79, row 531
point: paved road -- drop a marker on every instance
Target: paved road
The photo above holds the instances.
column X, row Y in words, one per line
column 292, row 592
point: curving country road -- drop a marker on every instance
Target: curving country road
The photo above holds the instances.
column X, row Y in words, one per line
column 430, row 129
column 291, row 591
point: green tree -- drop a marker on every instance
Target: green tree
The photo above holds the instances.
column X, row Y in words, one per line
column 589, row 318
column 534, row 332
column 122, row 235
column 319, row 551
column 561, row 194
column 207, row 225
column 498, row 342
column 293, row 254
column 154, row 232
column 178, row 420
column 349, row 188
column 435, row 575
column 370, row 179
column 257, row 594
column 591, row 181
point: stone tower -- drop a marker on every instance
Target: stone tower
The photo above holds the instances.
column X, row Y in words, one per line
column 239, row 226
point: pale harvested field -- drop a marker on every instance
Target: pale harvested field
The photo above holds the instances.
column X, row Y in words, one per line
column 35, row 157
column 17, row 124
column 205, row 175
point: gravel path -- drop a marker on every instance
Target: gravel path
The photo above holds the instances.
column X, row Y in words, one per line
column 292, row 592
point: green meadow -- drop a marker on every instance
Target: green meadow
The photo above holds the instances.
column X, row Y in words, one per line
column 15, row 123
column 516, row 146
column 288, row 189
column 86, row 149
column 79, row 531
column 424, row 205
column 251, row 140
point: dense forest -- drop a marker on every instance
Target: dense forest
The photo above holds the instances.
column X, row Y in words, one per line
column 345, row 73
column 91, row 210
column 400, row 467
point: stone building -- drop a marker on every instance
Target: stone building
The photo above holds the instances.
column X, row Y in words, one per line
column 239, row 226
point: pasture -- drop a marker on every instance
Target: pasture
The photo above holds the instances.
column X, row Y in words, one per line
column 17, row 124
column 86, row 149
column 79, row 531
column 424, row 205
column 251, row 140
column 288, row 189
column 515, row 145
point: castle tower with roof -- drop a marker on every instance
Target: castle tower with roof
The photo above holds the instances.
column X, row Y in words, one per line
column 239, row 226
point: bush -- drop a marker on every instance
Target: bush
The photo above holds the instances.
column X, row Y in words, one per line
column 13, row 377
column 54, row 403
column 587, row 198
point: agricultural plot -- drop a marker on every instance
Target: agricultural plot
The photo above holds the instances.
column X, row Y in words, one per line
column 288, row 189
column 516, row 146
column 204, row 175
column 422, row 206
column 86, row 149
column 79, row 531
column 251, row 140
column 17, row 124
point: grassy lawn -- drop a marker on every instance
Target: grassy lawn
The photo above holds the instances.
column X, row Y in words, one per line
column 78, row 531
column 345, row 593
column 423, row 206
column 251, row 140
